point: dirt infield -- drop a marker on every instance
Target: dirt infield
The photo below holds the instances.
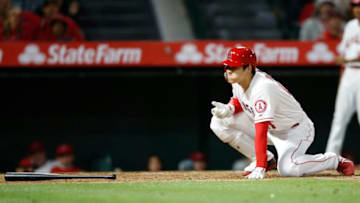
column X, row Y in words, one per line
column 187, row 176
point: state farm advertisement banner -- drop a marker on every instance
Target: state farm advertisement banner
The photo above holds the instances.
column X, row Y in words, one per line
column 162, row 54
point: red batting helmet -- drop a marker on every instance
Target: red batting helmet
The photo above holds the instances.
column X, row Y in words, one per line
column 64, row 149
column 355, row 2
column 36, row 146
column 25, row 163
column 240, row 56
column 197, row 156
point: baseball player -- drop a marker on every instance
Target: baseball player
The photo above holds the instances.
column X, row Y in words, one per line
column 348, row 95
column 262, row 109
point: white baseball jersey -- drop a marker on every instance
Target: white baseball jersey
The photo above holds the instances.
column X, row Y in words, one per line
column 347, row 97
column 46, row 168
column 349, row 47
column 267, row 100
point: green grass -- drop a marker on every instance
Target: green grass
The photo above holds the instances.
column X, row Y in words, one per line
column 291, row 190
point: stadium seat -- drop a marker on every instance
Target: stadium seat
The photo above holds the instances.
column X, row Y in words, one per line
column 237, row 19
column 119, row 20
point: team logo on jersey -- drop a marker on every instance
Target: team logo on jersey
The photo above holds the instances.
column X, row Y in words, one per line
column 260, row 106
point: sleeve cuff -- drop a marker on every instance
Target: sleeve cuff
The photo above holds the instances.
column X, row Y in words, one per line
column 264, row 120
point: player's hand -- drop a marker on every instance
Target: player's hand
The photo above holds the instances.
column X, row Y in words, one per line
column 258, row 173
column 340, row 60
column 221, row 110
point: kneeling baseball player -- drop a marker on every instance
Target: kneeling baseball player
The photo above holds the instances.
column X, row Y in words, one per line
column 263, row 112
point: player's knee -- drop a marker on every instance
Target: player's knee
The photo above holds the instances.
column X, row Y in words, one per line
column 214, row 123
column 289, row 170
column 220, row 130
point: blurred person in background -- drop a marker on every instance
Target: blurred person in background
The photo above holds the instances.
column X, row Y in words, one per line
column 5, row 6
column 348, row 95
column 19, row 26
column 37, row 154
column 199, row 161
column 55, row 26
column 334, row 28
column 307, row 10
column 314, row 27
column 61, row 28
column 344, row 7
column 154, row 163
column 240, row 164
column 71, row 8
column 186, row 165
column 65, row 156
column 25, row 165
column 48, row 9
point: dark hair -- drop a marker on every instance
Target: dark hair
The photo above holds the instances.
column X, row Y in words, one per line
column 317, row 7
column 253, row 71
column 57, row 20
column 48, row 2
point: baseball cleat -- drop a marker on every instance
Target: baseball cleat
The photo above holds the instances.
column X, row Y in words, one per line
column 271, row 164
column 346, row 166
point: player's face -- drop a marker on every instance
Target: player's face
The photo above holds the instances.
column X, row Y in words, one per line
column 237, row 74
column 356, row 11
column 66, row 160
column 38, row 158
column 154, row 164
column 325, row 10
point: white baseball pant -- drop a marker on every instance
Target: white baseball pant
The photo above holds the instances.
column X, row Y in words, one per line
column 347, row 102
column 290, row 145
column 239, row 132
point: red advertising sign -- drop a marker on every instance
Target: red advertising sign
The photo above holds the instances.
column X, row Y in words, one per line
column 161, row 54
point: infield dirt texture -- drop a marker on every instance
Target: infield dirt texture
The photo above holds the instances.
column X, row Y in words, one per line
column 207, row 186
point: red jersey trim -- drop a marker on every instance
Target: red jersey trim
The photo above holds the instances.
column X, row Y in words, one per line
column 235, row 102
column 261, row 130
column 263, row 120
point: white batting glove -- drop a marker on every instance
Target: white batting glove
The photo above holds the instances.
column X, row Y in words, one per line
column 258, row 173
column 221, row 110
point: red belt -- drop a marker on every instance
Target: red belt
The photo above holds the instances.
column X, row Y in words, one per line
column 356, row 67
column 296, row 124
